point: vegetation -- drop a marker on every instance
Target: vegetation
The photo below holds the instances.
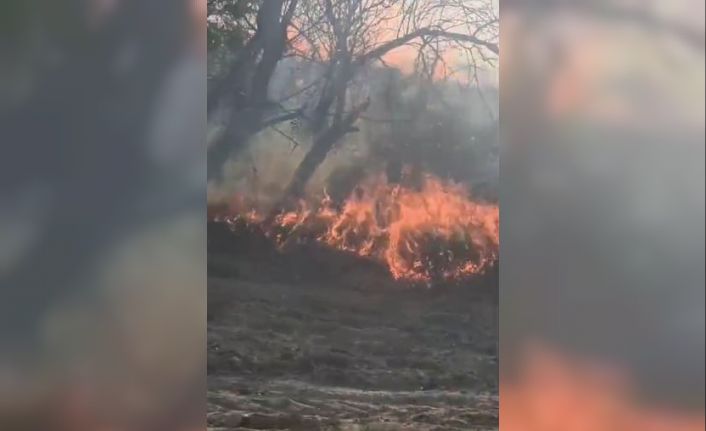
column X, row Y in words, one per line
column 322, row 67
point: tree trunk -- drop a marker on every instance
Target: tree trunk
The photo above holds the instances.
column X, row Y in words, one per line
column 242, row 126
column 244, row 90
column 316, row 155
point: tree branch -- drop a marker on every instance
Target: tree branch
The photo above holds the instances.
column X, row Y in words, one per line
column 423, row 32
column 284, row 117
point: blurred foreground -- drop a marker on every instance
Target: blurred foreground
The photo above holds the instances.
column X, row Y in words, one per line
column 102, row 209
column 602, row 215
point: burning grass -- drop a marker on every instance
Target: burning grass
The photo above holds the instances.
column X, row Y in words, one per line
column 434, row 231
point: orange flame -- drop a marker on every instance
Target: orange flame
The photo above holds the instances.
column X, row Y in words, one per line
column 432, row 232
column 559, row 392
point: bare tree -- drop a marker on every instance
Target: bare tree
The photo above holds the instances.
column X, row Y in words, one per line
column 349, row 35
column 239, row 98
column 344, row 37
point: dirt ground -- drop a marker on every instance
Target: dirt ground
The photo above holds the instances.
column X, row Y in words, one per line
column 312, row 339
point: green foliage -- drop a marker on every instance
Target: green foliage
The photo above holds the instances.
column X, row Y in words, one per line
column 224, row 38
column 229, row 23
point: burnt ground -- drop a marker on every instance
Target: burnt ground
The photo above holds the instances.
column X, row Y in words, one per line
column 313, row 339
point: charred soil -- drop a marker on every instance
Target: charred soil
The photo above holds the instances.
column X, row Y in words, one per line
column 316, row 339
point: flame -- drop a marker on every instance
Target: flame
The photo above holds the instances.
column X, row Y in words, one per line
column 422, row 234
column 556, row 391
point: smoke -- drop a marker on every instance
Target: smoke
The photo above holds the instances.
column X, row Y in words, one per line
column 446, row 128
column 263, row 169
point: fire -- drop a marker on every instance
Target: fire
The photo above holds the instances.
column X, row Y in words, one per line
column 431, row 232
column 555, row 391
